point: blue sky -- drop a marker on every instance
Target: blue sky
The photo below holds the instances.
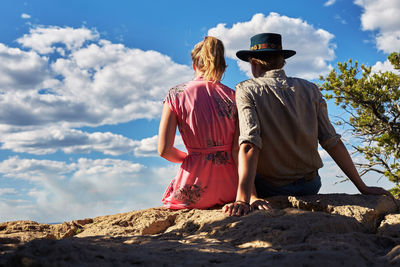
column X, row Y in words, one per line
column 82, row 83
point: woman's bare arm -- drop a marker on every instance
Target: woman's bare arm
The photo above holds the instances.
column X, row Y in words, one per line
column 166, row 137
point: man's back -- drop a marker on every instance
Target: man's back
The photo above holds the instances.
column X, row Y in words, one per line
column 285, row 118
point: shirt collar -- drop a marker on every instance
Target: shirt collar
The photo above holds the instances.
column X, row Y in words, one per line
column 278, row 73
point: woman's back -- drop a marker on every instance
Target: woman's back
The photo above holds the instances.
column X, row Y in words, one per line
column 206, row 114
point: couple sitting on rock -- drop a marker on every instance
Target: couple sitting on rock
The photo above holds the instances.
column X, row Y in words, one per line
column 258, row 141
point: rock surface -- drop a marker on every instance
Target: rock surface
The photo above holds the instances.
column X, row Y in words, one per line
column 320, row 230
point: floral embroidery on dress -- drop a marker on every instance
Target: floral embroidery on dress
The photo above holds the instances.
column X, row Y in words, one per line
column 189, row 194
column 226, row 107
column 219, row 157
column 175, row 91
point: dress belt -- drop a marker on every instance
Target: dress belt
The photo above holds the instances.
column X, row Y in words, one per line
column 210, row 149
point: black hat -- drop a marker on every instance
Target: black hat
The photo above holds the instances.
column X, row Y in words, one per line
column 264, row 44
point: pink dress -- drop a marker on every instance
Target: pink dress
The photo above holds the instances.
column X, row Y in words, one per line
column 207, row 117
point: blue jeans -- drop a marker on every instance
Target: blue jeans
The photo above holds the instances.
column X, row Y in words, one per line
column 300, row 187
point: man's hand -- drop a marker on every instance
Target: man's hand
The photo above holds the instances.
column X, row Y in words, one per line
column 260, row 204
column 373, row 190
column 342, row 158
column 237, row 208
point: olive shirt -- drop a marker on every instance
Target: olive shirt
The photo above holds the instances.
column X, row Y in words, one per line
column 285, row 118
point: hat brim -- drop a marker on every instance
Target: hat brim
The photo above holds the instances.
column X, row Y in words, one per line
column 246, row 54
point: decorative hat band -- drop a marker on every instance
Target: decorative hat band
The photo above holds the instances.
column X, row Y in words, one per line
column 265, row 46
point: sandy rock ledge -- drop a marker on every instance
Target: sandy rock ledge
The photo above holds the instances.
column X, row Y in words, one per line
column 321, row 230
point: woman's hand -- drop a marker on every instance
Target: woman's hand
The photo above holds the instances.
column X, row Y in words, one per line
column 237, row 208
column 260, row 204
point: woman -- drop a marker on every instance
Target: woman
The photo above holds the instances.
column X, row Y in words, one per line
column 205, row 112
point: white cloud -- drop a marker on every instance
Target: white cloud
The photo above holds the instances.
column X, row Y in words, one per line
column 329, row 2
column 105, row 177
column 84, row 188
column 21, row 69
column 46, row 39
column 382, row 16
column 34, row 170
column 11, row 210
column 50, row 140
column 7, row 191
column 165, row 174
column 313, row 46
column 147, row 147
column 383, row 67
column 389, row 41
column 25, row 16
column 89, row 84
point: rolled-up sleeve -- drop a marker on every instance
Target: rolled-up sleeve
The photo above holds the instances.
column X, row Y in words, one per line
column 249, row 123
column 327, row 135
column 172, row 100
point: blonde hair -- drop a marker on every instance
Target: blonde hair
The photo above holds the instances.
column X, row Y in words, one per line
column 208, row 57
column 270, row 62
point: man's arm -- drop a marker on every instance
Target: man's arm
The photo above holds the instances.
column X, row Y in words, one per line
column 248, row 159
column 331, row 142
column 342, row 158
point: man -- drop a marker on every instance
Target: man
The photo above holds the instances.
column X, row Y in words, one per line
column 281, row 122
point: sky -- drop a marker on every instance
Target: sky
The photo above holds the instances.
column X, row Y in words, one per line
column 82, row 84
